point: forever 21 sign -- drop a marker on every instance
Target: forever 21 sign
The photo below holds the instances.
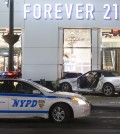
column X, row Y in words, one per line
column 61, row 11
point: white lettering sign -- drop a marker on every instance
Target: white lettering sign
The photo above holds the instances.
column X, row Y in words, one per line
column 26, row 11
column 58, row 11
column 47, row 11
column 67, row 11
column 89, row 11
column 108, row 8
column 37, row 11
column 79, row 11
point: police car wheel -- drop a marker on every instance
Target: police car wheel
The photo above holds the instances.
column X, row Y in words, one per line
column 66, row 87
column 60, row 113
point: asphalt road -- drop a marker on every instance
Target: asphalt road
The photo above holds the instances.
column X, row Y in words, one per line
column 100, row 122
column 103, row 101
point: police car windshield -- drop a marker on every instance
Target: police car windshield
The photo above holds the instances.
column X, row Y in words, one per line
column 40, row 86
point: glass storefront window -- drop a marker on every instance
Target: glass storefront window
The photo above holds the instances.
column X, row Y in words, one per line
column 111, row 49
column 109, row 39
column 77, row 50
column 4, row 51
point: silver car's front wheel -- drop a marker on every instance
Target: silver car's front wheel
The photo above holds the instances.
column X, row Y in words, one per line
column 108, row 90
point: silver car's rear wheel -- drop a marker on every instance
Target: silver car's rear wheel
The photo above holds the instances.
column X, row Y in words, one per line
column 66, row 87
column 108, row 90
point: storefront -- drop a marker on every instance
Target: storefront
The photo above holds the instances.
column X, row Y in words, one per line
column 4, row 51
column 110, row 49
column 60, row 36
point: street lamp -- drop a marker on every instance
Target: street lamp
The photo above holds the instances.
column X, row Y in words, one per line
column 11, row 39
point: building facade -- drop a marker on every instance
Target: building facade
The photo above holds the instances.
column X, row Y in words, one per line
column 62, row 36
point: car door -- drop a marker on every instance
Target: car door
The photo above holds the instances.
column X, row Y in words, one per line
column 3, row 101
column 100, row 84
column 26, row 101
column 85, row 82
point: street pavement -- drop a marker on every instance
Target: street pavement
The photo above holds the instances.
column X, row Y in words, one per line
column 100, row 101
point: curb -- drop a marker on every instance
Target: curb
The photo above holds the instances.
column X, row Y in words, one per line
column 104, row 107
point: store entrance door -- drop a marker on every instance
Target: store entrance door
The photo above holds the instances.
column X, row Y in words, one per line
column 111, row 59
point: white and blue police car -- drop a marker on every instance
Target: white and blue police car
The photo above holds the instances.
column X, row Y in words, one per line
column 21, row 98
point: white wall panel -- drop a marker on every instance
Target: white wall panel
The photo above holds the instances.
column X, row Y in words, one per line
column 3, row 7
column 98, row 22
column 18, row 14
column 19, row 5
column 41, row 34
column 4, row 20
column 94, row 56
column 18, row 21
column 37, row 72
column 40, row 56
column 96, row 51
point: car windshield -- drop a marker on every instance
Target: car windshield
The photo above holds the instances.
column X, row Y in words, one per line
column 39, row 86
column 110, row 74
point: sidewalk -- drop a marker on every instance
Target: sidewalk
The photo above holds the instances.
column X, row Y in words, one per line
column 99, row 101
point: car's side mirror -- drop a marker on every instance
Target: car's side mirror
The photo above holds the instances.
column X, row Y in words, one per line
column 36, row 92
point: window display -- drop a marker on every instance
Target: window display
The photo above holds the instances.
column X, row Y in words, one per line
column 77, row 50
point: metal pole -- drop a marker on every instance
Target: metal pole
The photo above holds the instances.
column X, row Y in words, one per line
column 11, row 32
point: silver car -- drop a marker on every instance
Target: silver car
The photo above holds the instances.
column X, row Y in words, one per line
column 95, row 81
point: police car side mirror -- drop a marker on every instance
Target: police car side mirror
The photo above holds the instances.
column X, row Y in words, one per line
column 36, row 92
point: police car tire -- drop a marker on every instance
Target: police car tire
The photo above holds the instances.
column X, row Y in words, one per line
column 67, row 85
column 62, row 111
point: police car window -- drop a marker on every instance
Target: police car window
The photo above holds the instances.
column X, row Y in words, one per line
column 7, row 86
column 42, row 88
column 1, row 87
column 25, row 88
column 10, row 86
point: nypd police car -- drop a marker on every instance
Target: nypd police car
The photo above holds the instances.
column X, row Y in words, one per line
column 21, row 98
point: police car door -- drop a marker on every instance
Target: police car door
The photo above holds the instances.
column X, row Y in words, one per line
column 3, row 100
column 24, row 103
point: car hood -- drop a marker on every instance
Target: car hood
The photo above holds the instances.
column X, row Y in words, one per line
column 67, row 94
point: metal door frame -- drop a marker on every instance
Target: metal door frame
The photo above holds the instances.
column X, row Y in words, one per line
column 109, row 48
